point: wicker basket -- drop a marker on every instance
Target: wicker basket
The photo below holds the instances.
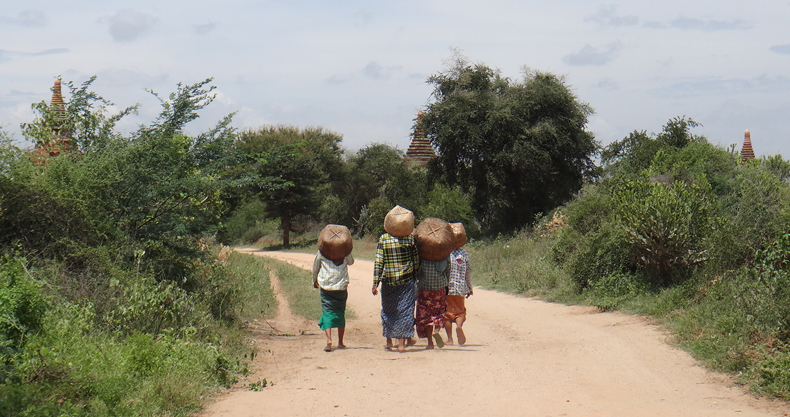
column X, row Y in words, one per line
column 460, row 234
column 399, row 222
column 335, row 242
column 434, row 238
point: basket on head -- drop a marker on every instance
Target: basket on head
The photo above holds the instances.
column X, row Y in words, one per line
column 460, row 234
column 335, row 242
column 434, row 238
column 399, row 222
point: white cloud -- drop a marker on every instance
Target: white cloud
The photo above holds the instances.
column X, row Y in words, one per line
column 710, row 25
column 590, row 55
column 607, row 16
column 29, row 18
column 128, row 25
column 205, row 28
column 780, row 49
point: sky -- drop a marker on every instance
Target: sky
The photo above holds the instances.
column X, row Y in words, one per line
column 360, row 68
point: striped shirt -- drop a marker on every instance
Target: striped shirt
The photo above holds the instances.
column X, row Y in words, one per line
column 433, row 275
column 396, row 260
column 329, row 276
column 460, row 273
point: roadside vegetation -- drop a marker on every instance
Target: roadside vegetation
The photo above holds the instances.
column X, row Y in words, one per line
column 119, row 294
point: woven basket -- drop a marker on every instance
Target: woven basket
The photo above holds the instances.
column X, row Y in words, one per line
column 460, row 234
column 434, row 238
column 399, row 222
column 335, row 242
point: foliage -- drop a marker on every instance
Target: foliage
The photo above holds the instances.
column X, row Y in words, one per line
column 152, row 192
column 635, row 152
column 666, row 225
column 120, row 306
column 294, row 167
column 22, row 306
column 518, row 148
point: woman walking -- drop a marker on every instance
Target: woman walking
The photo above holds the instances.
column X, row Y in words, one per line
column 395, row 267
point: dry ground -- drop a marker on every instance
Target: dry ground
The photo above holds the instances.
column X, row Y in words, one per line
column 523, row 357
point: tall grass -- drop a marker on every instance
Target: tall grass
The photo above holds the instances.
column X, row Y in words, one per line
column 297, row 284
column 155, row 351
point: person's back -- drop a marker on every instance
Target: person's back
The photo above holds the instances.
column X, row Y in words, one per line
column 395, row 268
column 460, row 287
column 396, row 260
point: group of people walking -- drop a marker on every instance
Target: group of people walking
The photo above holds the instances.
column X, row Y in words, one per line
column 419, row 293
column 416, row 292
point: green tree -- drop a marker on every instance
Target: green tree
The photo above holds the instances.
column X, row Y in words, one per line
column 154, row 191
column 295, row 168
column 518, row 148
column 366, row 174
column 635, row 153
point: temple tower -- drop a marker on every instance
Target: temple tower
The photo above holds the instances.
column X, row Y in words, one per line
column 747, row 152
column 420, row 150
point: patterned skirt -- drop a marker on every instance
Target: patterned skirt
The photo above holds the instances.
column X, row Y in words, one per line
column 431, row 306
column 397, row 310
column 333, row 306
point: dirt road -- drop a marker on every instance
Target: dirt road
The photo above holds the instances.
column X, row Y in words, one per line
column 523, row 357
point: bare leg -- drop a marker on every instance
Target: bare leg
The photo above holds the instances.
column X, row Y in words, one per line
column 388, row 346
column 459, row 321
column 328, row 347
column 340, row 332
column 401, row 345
column 429, row 332
column 448, row 329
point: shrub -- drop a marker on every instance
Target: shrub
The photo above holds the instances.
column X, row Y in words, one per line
column 22, row 305
column 666, row 224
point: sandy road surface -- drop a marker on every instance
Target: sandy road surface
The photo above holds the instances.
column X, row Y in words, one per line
column 523, row 357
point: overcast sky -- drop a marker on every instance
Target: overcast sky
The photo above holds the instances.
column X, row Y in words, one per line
column 359, row 68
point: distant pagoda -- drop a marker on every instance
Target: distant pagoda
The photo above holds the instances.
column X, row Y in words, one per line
column 420, row 150
column 60, row 141
column 747, row 152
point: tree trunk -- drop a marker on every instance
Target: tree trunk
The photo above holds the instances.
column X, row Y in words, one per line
column 286, row 225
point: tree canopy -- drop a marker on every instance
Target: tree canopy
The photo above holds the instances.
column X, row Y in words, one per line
column 295, row 166
column 519, row 148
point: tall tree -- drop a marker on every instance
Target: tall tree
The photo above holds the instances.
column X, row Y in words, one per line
column 296, row 167
column 518, row 148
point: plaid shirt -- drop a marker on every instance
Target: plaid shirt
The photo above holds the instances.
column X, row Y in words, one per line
column 396, row 260
column 433, row 275
column 460, row 273
column 329, row 276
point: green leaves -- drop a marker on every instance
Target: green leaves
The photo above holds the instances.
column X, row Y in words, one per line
column 666, row 224
column 518, row 148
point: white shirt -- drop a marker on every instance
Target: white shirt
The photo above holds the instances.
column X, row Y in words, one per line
column 329, row 276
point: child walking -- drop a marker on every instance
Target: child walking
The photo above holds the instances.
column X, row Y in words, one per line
column 432, row 279
column 460, row 286
column 331, row 277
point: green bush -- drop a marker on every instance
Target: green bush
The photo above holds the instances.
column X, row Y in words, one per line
column 666, row 225
column 588, row 257
column 22, row 305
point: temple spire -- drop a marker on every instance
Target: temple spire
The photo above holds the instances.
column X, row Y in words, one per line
column 420, row 150
column 747, row 152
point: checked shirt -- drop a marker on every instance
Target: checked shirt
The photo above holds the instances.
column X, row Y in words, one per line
column 396, row 260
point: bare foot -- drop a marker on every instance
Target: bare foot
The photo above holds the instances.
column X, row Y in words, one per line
column 388, row 347
column 461, row 336
column 429, row 347
column 410, row 341
column 341, row 346
column 449, row 342
column 401, row 348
